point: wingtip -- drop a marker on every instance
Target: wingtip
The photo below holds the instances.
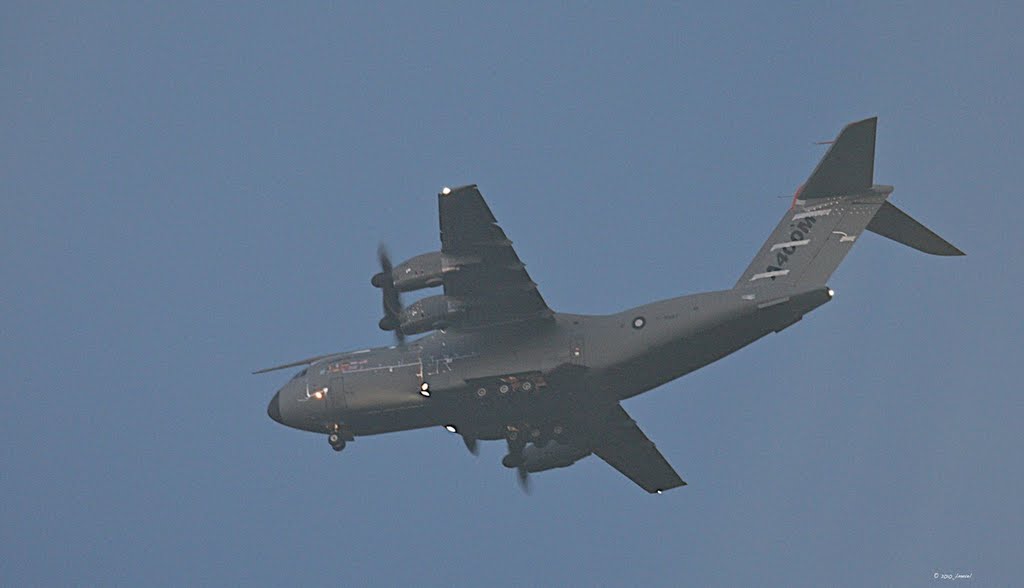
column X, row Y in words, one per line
column 950, row 250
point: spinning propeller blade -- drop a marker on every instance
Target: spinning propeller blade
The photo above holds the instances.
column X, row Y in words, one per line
column 524, row 479
column 385, row 280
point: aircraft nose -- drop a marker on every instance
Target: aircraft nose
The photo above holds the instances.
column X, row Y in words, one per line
column 274, row 408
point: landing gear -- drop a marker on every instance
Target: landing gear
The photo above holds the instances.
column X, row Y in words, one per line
column 511, row 387
column 336, row 441
column 558, row 433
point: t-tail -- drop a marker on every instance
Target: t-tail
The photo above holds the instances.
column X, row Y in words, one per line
column 829, row 213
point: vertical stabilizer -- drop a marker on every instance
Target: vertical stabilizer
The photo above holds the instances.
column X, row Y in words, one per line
column 849, row 165
column 829, row 213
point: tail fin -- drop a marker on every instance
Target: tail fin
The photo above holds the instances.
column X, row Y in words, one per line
column 849, row 165
column 829, row 213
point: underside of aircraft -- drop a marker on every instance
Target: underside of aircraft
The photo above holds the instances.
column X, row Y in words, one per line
column 494, row 362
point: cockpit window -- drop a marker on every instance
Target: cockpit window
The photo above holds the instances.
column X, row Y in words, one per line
column 299, row 375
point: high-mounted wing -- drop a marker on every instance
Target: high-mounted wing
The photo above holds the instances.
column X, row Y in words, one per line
column 625, row 447
column 490, row 275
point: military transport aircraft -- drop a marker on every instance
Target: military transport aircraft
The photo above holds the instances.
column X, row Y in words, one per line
column 499, row 364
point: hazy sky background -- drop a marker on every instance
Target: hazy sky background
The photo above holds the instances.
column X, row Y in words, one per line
column 194, row 191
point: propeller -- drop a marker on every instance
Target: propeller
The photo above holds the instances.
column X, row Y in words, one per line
column 523, row 476
column 514, row 459
column 385, row 280
column 471, row 444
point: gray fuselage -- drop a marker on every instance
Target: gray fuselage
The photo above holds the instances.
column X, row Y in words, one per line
column 590, row 361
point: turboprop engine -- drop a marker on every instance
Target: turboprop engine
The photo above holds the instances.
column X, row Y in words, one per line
column 423, row 271
column 428, row 314
column 551, row 456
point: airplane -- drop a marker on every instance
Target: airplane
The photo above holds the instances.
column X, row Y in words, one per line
column 496, row 363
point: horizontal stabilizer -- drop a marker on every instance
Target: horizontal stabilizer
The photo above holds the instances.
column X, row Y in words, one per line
column 893, row 223
column 848, row 167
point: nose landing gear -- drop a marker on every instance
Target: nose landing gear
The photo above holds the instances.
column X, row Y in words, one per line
column 336, row 441
column 337, row 435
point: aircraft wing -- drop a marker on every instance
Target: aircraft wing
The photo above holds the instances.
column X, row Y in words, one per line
column 489, row 272
column 625, row 447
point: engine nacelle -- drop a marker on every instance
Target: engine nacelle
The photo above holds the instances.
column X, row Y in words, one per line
column 423, row 271
column 428, row 314
column 551, row 456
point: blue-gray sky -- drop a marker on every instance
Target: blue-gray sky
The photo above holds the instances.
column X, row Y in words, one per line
column 194, row 191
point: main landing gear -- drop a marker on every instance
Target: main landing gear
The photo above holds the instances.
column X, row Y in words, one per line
column 519, row 436
column 511, row 386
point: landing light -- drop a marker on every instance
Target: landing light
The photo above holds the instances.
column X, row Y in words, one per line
column 450, row 428
column 446, row 190
column 425, row 389
column 831, row 292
